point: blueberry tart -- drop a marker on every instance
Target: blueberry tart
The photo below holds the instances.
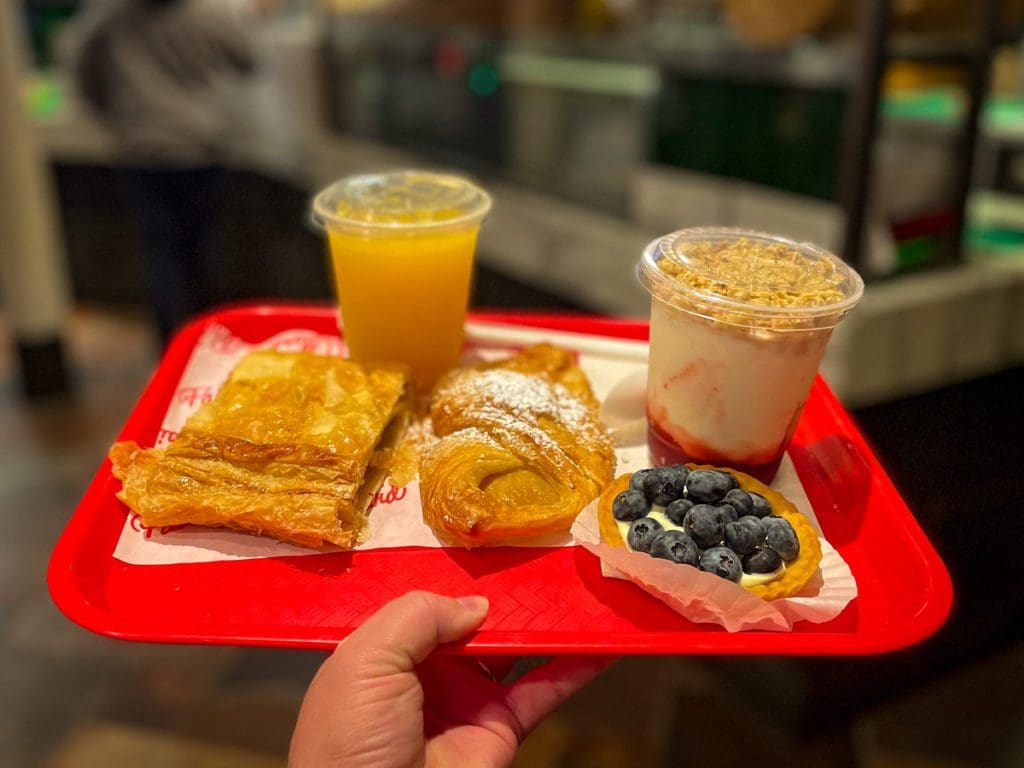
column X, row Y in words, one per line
column 716, row 519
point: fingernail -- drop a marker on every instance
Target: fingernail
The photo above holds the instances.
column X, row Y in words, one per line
column 474, row 603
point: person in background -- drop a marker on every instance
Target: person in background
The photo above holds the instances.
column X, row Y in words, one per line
column 156, row 73
column 385, row 700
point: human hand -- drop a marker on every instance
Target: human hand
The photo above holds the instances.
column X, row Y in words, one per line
column 382, row 699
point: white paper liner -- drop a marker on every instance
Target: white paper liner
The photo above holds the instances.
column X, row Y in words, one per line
column 708, row 599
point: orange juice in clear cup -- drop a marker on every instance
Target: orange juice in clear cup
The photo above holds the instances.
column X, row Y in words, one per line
column 402, row 247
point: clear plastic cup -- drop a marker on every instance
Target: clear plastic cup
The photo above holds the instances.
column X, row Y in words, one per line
column 402, row 247
column 739, row 324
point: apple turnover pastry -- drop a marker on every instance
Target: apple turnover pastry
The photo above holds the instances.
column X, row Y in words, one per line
column 294, row 445
column 520, row 451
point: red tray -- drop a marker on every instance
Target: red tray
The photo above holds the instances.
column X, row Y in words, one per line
column 543, row 601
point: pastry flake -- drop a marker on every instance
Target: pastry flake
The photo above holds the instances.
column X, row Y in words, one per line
column 294, row 445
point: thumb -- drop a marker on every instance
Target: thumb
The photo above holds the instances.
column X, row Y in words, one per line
column 405, row 631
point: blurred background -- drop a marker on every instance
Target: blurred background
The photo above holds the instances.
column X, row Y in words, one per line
column 888, row 130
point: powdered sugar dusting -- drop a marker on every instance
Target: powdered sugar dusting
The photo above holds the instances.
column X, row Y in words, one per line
column 520, row 395
column 471, row 436
column 514, row 408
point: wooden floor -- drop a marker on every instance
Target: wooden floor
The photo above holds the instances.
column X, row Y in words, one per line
column 70, row 699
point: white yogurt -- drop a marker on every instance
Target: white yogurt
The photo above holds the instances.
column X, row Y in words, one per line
column 725, row 394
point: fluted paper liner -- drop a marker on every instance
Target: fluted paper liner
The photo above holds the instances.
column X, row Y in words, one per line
column 708, row 599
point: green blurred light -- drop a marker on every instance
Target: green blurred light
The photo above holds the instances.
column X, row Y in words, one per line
column 43, row 97
column 483, row 79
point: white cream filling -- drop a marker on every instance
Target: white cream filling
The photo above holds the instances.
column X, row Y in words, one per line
column 658, row 513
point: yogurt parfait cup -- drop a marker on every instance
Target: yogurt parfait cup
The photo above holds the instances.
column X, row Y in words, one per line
column 739, row 325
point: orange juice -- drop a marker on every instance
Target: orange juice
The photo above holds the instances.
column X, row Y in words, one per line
column 404, row 297
column 402, row 247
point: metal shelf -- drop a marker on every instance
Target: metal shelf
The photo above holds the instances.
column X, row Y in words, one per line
column 879, row 46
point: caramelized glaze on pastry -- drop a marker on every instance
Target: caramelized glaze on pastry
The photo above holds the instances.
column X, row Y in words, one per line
column 520, row 452
column 293, row 445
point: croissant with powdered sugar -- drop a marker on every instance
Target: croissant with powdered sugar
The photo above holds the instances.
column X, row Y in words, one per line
column 521, row 450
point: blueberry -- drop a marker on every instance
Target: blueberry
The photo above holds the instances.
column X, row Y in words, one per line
column 663, row 485
column 708, row 486
column 723, row 562
column 675, row 546
column 637, row 479
column 630, row 505
column 682, row 470
column 741, row 502
column 706, row 524
column 728, row 511
column 782, row 538
column 677, row 510
column 761, row 506
column 745, row 535
column 763, row 560
column 771, row 521
column 642, row 532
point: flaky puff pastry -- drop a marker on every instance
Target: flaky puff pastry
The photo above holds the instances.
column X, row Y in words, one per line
column 293, row 445
column 521, row 450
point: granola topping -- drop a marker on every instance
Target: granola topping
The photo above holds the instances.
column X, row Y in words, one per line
column 749, row 280
column 772, row 275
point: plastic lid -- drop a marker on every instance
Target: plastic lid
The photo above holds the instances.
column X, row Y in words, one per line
column 750, row 278
column 401, row 200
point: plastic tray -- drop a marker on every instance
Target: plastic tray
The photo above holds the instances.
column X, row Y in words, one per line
column 543, row 601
